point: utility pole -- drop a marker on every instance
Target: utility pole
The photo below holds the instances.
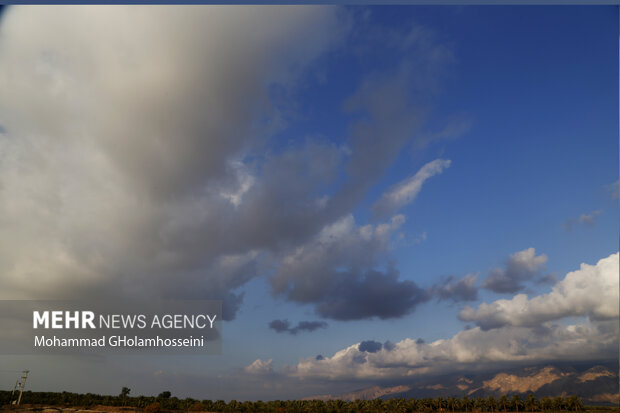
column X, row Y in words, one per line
column 20, row 383
column 13, row 392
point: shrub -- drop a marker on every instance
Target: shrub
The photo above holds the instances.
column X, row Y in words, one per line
column 152, row 408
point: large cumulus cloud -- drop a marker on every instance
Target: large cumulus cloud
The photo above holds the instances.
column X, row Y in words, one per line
column 123, row 128
column 466, row 351
column 590, row 291
column 136, row 157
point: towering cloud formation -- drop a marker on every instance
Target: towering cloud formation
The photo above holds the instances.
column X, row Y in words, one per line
column 122, row 131
column 135, row 158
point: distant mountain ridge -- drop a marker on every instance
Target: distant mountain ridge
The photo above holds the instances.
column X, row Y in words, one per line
column 594, row 384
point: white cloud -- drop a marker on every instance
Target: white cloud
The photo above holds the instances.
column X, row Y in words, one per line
column 245, row 180
column 466, row 351
column 591, row 291
column 406, row 191
column 585, row 219
column 260, row 367
column 527, row 335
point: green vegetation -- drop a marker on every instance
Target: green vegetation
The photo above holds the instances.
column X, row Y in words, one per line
column 165, row 402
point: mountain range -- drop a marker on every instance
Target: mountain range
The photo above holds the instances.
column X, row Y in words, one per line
column 595, row 384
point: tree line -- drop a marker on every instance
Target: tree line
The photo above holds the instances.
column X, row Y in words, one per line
column 165, row 402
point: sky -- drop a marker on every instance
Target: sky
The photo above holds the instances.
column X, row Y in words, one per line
column 376, row 194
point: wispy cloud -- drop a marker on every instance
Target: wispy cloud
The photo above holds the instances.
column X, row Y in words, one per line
column 455, row 127
column 613, row 189
column 406, row 191
column 585, row 219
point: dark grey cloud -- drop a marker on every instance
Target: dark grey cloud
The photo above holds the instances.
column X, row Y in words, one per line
column 280, row 326
column 370, row 346
column 310, row 325
column 457, row 290
column 283, row 326
column 336, row 272
column 389, row 346
column 520, row 267
column 375, row 294
column 584, row 219
column 231, row 303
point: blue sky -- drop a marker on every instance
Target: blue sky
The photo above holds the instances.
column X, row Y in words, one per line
column 254, row 160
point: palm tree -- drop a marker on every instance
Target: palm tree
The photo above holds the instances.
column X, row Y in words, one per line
column 451, row 402
column 531, row 403
column 574, row 403
column 416, row 404
column 557, row 404
column 491, row 404
column 516, row 402
column 465, row 403
column 401, row 406
column 503, row 401
column 440, row 403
